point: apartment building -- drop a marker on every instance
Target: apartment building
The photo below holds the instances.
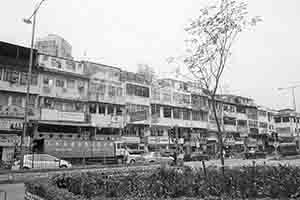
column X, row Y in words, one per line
column 54, row 45
column 14, row 62
column 63, row 99
column 287, row 124
column 106, row 101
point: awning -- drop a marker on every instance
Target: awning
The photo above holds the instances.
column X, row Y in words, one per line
column 63, row 123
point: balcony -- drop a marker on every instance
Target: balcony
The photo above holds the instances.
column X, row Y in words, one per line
column 107, row 99
column 16, row 87
column 107, row 121
column 180, row 123
column 63, row 93
column 55, row 115
column 137, row 100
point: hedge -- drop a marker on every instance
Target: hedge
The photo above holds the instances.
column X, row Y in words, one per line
column 275, row 182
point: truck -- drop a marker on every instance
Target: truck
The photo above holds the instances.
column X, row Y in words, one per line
column 78, row 151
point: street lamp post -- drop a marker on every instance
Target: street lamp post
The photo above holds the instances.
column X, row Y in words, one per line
column 25, row 127
column 295, row 109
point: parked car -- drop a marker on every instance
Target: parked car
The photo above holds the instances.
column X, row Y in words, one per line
column 42, row 161
column 135, row 157
column 167, row 153
column 196, row 156
column 156, row 157
column 254, row 154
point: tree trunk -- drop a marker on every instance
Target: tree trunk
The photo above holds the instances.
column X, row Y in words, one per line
column 219, row 133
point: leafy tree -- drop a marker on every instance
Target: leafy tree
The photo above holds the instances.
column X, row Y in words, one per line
column 211, row 36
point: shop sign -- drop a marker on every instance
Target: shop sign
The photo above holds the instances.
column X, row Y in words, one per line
column 11, row 124
column 132, row 139
column 159, row 140
column 48, row 114
column 12, row 111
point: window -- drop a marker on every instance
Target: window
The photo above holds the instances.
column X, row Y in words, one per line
column 242, row 123
column 136, row 90
column 155, row 110
column 45, row 57
column 166, row 96
column 155, row 94
column 71, row 84
column 70, row 65
column 252, row 123
column 111, row 91
column 186, row 114
column 119, row 110
column 176, row 113
column 277, row 119
column 263, row 125
column 101, row 108
column 285, row 119
column 252, row 113
column 196, row 115
column 119, row 92
column 229, row 121
column 229, row 108
column 110, row 109
column 262, row 113
column 240, row 109
column 46, row 80
column 69, row 107
column 58, row 106
column 31, row 102
column 93, row 108
column 16, row 101
column 167, row 112
column 60, row 83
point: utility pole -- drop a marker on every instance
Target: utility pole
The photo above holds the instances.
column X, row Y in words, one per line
column 295, row 109
column 28, row 82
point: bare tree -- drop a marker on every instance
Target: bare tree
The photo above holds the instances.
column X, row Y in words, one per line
column 211, row 36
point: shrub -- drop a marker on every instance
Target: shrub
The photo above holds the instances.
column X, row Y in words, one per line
column 168, row 182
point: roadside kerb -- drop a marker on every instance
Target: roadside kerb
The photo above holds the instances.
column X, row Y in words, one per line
column 15, row 177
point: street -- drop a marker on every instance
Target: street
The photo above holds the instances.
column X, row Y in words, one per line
column 16, row 191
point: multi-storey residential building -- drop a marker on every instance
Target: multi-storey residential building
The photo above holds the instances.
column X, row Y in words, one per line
column 14, row 62
column 287, row 123
column 106, row 100
column 137, row 106
column 63, row 98
column 54, row 45
column 173, row 105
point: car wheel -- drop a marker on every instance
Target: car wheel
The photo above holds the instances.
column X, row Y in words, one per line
column 63, row 166
column 151, row 161
column 26, row 168
column 132, row 162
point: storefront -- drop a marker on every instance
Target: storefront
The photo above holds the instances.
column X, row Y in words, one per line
column 8, row 145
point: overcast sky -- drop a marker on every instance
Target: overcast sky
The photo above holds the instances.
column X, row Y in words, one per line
column 125, row 33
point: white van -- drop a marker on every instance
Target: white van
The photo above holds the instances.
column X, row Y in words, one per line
column 42, row 161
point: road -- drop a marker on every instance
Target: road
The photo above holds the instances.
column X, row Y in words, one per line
column 16, row 191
